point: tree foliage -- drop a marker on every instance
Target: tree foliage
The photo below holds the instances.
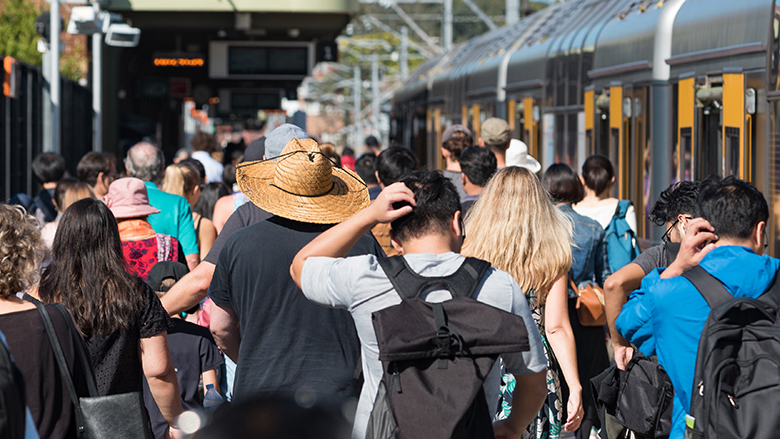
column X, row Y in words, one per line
column 17, row 30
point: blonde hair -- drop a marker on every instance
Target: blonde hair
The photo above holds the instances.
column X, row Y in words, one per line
column 514, row 226
column 180, row 179
column 75, row 192
column 20, row 250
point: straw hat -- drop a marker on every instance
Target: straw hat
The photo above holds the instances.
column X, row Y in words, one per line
column 302, row 184
column 128, row 198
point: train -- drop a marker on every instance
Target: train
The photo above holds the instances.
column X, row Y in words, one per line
column 669, row 90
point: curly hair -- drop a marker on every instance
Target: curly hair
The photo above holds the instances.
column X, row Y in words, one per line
column 20, row 250
column 677, row 199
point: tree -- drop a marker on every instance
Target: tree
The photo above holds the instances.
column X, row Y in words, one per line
column 17, row 30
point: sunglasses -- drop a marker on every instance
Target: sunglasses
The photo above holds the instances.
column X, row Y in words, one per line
column 665, row 238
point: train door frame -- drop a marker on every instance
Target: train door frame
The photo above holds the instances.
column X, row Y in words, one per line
column 524, row 121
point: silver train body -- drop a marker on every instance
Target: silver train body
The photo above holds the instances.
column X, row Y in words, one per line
column 669, row 90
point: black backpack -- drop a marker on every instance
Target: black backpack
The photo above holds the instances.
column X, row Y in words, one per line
column 436, row 356
column 736, row 386
column 12, row 397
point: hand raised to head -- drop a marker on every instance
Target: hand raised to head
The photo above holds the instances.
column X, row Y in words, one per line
column 392, row 203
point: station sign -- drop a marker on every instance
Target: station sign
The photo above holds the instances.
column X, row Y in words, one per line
column 178, row 60
column 261, row 60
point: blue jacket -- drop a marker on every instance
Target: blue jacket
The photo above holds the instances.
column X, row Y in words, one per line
column 666, row 317
column 589, row 256
column 174, row 219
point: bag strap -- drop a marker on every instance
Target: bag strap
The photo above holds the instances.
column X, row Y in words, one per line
column 62, row 363
column 708, row 286
column 81, row 350
column 408, row 284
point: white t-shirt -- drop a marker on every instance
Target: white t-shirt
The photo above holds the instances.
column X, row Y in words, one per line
column 360, row 285
column 604, row 213
column 213, row 168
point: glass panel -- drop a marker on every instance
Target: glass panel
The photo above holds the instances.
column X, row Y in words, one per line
column 731, row 154
column 686, row 153
column 560, row 139
column 571, row 140
column 774, row 184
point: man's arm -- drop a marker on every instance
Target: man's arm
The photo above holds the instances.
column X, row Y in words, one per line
column 187, row 237
column 616, row 290
column 189, row 290
column 339, row 239
column 224, row 326
column 527, row 399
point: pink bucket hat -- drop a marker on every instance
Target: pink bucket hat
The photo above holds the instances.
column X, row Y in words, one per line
column 127, row 198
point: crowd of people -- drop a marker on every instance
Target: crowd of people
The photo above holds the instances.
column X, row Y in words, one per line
column 262, row 273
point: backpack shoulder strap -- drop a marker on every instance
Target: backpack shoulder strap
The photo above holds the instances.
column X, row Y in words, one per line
column 708, row 286
column 404, row 280
column 772, row 295
column 622, row 208
column 408, row 284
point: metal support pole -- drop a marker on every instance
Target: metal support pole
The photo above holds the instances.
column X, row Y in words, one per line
column 479, row 13
column 97, row 87
column 356, row 89
column 375, row 94
column 446, row 26
column 512, row 12
column 46, row 102
column 54, row 78
column 404, row 53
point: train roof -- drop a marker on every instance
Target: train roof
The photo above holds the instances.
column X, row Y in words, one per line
column 713, row 35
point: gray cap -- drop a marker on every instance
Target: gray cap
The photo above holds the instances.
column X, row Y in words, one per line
column 495, row 132
column 280, row 137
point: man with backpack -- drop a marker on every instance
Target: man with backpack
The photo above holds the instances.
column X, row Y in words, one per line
column 723, row 364
column 424, row 211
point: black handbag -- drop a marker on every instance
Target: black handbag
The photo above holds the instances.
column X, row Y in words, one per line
column 120, row 416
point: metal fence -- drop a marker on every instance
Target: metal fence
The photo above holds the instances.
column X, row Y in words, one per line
column 21, row 129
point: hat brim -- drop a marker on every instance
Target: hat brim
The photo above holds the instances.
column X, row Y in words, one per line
column 122, row 212
column 348, row 195
column 531, row 164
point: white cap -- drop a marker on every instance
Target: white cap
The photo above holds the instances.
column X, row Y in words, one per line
column 517, row 155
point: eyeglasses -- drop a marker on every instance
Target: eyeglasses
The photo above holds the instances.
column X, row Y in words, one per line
column 665, row 238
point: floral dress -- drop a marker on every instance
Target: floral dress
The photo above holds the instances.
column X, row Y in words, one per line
column 547, row 424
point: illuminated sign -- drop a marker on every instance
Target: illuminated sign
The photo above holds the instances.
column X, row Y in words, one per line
column 179, row 62
column 178, row 59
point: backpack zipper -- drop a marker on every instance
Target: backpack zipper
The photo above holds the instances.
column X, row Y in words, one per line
column 396, row 378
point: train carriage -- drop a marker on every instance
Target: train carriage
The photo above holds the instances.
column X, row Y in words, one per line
column 670, row 90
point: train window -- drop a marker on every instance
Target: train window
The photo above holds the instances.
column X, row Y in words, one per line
column 686, row 153
column 731, row 154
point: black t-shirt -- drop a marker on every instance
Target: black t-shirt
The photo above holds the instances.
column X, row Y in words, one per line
column 116, row 357
column 657, row 256
column 47, row 396
column 287, row 342
column 245, row 215
column 193, row 352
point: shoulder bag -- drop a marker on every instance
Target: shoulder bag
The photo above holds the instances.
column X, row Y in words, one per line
column 97, row 417
column 590, row 305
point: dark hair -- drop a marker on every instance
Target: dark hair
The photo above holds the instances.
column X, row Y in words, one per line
column 455, row 147
column 365, row 167
column 393, row 163
column 563, row 184
column 208, row 199
column 88, row 273
column 229, row 175
column 677, row 199
column 92, row 164
column 437, row 201
column 732, row 206
column 347, row 151
column 197, row 165
column 48, row 167
column 479, row 164
column 597, row 171
column 203, row 142
column 372, row 141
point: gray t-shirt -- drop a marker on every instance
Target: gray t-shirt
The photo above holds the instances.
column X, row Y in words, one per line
column 456, row 179
column 657, row 256
column 360, row 285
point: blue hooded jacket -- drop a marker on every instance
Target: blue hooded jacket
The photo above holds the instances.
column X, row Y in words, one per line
column 666, row 317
